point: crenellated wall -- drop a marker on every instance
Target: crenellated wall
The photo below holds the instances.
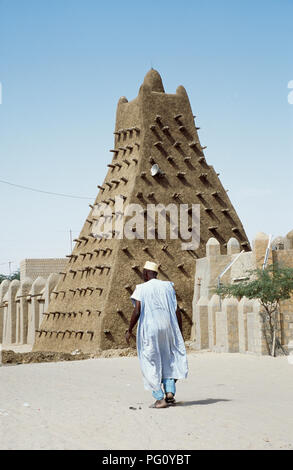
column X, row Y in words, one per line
column 231, row 325
column 283, row 256
column 22, row 306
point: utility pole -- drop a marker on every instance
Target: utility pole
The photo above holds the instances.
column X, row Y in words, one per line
column 70, row 234
column 224, row 271
column 267, row 253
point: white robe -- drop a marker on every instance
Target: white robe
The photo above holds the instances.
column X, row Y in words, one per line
column 160, row 346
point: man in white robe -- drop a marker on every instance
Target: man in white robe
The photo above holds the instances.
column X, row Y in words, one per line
column 160, row 345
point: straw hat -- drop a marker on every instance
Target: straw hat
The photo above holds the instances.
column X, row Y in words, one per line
column 151, row 266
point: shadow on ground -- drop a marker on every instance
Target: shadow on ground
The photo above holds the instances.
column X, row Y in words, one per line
column 208, row 401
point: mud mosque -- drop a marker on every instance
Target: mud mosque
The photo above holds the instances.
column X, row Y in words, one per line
column 83, row 301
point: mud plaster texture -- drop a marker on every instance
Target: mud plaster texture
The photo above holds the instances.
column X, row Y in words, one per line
column 90, row 309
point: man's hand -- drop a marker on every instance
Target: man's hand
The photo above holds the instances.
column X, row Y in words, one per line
column 133, row 321
column 128, row 335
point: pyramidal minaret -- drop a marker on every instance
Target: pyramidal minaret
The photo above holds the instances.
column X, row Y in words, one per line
column 157, row 159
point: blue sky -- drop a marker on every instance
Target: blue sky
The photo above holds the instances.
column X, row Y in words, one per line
column 65, row 63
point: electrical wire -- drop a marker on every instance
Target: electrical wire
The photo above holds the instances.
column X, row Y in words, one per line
column 44, row 192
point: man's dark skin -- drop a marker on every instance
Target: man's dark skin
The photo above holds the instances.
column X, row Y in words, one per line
column 147, row 276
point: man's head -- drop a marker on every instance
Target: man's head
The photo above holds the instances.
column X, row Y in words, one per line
column 150, row 271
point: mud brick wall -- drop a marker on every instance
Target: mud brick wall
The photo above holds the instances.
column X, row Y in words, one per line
column 91, row 306
column 285, row 258
column 35, row 267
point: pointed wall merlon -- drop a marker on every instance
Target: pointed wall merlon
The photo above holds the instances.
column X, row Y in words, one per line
column 201, row 322
column 209, row 269
column 4, row 286
column 259, row 247
column 9, row 316
column 237, row 325
column 35, row 300
column 255, row 332
column 245, row 306
column 230, row 311
column 283, row 256
column 213, row 307
column 21, row 308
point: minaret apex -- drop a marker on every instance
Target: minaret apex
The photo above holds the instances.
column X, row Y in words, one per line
column 154, row 81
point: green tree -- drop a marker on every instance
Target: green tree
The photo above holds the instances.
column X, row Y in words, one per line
column 10, row 277
column 270, row 286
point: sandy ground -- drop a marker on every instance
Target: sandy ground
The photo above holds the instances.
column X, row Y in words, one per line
column 229, row 401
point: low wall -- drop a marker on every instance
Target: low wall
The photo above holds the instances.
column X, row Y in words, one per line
column 231, row 325
column 23, row 303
